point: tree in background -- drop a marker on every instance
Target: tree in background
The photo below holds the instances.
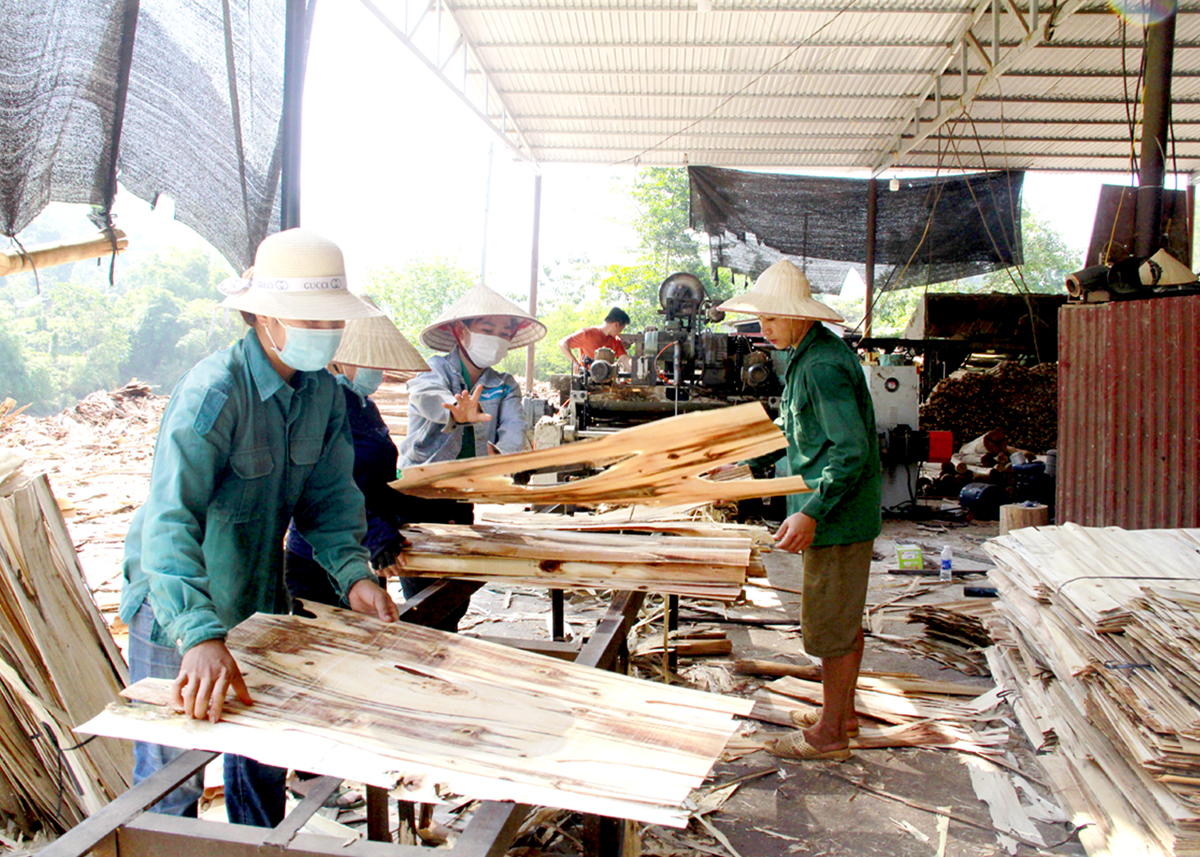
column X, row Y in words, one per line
column 667, row 246
column 414, row 295
column 1048, row 260
column 70, row 333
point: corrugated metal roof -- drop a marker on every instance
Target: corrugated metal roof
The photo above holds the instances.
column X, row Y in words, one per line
column 802, row 83
column 1129, row 414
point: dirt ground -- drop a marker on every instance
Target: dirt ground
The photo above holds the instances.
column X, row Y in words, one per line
column 99, row 468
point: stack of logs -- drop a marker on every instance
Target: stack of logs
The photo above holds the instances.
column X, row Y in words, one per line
column 1022, row 402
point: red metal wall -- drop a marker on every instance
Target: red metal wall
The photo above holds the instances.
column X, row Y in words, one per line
column 1129, row 413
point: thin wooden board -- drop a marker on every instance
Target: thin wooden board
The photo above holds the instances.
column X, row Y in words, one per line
column 697, row 567
column 448, row 714
column 656, row 463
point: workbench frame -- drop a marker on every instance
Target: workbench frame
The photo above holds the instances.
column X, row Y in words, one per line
column 124, row 829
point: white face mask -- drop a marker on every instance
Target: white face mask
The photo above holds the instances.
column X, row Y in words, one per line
column 486, row 350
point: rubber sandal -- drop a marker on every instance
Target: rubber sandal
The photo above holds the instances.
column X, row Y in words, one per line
column 806, row 718
column 794, row 746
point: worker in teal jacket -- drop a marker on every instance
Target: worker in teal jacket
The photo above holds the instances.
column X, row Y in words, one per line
column 253, row 437
column 827, row 416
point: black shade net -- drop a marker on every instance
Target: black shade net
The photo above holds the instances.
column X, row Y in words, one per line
column 189, row 93
column 931, row 230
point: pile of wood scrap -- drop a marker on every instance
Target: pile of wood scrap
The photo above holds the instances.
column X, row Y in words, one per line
column 1097, row 642
column 713, row 568
column 961, row 623
column 1022, row 402
column 657, row 463
column 431, row 714
column 894, row 709
column 58, row 666
column 955, row 633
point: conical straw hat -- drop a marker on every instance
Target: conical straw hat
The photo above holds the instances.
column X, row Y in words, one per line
column 781, row 290
column 296, row 274
column 1163, row 269
column 378, row 344
column 481, row 301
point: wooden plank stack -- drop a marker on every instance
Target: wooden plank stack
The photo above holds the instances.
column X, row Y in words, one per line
column 699, row 567
column 1097, row 638
column 433, row 714
column 58, row 666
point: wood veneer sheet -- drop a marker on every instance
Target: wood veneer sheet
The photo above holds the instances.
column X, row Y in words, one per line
column 658, row 463
column 433, row 714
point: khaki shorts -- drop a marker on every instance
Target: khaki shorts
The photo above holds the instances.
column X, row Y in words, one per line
column 835, row 592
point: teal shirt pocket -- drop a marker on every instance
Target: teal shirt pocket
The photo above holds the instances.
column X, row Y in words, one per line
column 238, row 497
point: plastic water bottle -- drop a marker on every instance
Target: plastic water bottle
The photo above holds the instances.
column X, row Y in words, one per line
column 946, row 575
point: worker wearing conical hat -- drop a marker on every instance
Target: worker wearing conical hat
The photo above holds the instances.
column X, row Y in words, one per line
column 253, row 437
column 463, row 406
column 827, row 416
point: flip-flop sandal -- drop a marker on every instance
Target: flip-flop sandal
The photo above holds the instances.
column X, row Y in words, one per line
column 794, row 746
column 809, row 717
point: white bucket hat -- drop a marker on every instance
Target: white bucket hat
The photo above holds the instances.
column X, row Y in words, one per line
column 377, row 343
column 781, row 290
column 478, row 302
column 296, row 274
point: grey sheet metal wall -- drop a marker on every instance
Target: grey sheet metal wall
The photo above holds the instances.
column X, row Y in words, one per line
column 1129, row 413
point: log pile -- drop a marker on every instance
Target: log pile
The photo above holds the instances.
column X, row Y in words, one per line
column 1022, row 402
column 1097, row 641
column 58, row 666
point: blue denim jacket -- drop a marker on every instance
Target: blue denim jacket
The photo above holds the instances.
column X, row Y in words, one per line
column 239, row 454
column 431, row 437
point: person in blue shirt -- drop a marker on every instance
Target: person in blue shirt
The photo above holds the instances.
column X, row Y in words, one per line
column 463, row 406
column 253, row 437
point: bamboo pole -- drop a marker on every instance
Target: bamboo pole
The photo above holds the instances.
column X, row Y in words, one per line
column 60, row 253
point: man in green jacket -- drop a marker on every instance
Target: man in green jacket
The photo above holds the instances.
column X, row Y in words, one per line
column 827, row 416
column 253, row 437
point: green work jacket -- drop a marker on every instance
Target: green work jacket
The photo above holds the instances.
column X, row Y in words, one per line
column 827, row 416
column 239, row 454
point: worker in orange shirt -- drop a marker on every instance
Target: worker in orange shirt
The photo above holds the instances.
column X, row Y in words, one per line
column 591, row 339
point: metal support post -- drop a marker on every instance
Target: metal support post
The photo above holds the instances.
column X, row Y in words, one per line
column 1156, row 120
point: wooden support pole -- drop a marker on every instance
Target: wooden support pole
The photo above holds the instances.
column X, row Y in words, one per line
column 44, row 256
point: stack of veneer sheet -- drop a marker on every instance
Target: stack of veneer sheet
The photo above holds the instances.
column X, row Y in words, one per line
column 702, row 567
column 1097, row 638
column 58, row 665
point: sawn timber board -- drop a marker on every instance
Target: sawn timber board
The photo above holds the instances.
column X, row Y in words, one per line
column 444, row 714
column 652, row 464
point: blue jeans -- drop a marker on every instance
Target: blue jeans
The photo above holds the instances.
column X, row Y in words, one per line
column 254, row 793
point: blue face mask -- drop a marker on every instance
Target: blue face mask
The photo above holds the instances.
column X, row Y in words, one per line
column 309, row 349
column 366, row 381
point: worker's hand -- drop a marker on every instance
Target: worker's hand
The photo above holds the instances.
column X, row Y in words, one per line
column 796, row 533
column 492, row 449
column 207, row 672
column 389, row 561
column 466, row 407
column 367, row 597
